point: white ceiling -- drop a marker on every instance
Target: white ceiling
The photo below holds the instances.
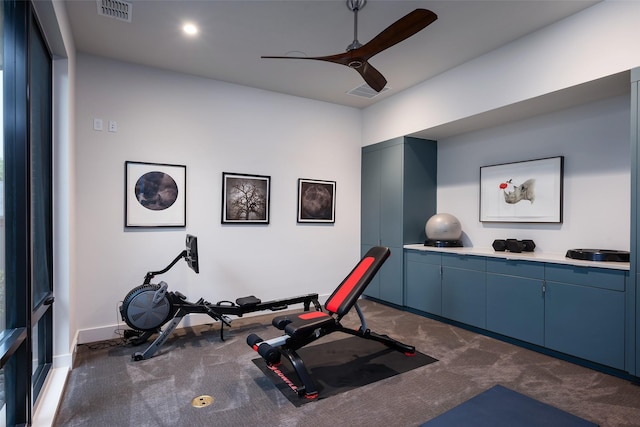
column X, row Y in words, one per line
column 234, row 34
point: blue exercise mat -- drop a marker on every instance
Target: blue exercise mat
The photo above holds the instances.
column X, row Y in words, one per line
column 501, row 407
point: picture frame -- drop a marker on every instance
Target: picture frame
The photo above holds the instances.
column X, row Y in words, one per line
column 155, row 194
column 245, row 198
column 529, row 191
column 316, row 201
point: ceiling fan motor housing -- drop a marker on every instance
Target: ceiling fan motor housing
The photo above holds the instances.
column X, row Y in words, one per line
column 354, row 5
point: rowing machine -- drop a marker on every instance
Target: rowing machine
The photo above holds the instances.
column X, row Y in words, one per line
column 147, row 307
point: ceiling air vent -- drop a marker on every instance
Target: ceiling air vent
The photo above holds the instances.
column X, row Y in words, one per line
column 117, row 9
column 365, row 91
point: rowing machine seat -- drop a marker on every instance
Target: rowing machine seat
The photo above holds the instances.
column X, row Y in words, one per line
column 249, row 301
column 303, row 328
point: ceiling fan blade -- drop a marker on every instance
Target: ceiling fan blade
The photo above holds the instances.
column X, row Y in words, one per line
column 400, row 30
column 373, row 77
column 346, row 58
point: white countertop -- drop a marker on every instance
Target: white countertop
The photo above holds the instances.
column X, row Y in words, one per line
column 523, row 256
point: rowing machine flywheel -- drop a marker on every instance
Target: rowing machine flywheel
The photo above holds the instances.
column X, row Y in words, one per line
column 140, row 312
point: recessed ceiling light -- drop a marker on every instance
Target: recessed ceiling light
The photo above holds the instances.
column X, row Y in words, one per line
column 190, row 29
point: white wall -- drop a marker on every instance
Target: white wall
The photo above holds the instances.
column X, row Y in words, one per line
column 211, row 127
column 594, row 140
column 597, row 42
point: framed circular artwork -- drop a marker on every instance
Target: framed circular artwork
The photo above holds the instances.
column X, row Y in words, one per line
column 155, row 195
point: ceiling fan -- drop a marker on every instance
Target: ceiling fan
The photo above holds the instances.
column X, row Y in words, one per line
column 357, row 55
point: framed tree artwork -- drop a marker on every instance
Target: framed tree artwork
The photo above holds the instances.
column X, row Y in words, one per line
column 245, row 198
column 155, row 195
column 316, row 201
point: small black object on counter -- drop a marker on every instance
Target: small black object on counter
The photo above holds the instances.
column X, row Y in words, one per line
column 513, row 245
column 443, row 243
column 598, row 255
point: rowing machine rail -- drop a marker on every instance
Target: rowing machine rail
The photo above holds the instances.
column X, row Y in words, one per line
column 148, row 307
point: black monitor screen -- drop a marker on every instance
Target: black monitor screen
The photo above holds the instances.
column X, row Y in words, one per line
column 192, row 253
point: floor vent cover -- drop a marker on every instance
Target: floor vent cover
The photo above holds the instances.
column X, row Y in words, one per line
column 117, row 9
column 365, row 91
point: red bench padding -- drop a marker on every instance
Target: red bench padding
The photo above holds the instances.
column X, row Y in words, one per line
column 349, row 285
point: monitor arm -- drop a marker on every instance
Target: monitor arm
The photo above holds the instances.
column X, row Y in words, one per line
column 150, row 275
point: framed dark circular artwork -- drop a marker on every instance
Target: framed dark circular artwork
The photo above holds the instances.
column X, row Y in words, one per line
column 155, row 195
column 316, row 200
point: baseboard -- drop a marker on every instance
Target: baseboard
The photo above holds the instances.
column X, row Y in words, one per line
column 102, row 333
column 74, row 350
column 66, row 360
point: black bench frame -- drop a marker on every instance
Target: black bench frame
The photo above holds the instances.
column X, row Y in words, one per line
column 304, row 328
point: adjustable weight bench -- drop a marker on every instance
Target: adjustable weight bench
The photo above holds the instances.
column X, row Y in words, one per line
column 303, row 328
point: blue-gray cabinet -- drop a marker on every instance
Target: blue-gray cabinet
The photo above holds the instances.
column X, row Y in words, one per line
column 515, row 299
column 585, row 313
column 634, row 288
column 398, row 195
column 464, row 289
column 576, row 310
column 423, row 290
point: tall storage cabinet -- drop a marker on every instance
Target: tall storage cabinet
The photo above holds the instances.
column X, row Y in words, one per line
column 634, row 301
column 398, row 195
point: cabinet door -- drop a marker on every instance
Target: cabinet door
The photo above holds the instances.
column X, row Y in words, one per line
column 586, row 322
column 373, row 289
column 633, row 346
column 390, row 275
column 423, row 290
column 391, row 224
column 515, row 307
column 464, row 296
column 370, row 199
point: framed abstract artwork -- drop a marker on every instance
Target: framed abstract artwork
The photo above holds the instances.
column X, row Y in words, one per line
column 316, row 201
column 155, row 195
column 245, row 198
column 528, row 191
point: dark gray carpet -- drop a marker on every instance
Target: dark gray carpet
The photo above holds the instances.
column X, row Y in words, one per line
column 107, row 388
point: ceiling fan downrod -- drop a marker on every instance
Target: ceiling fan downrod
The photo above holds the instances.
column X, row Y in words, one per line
column 355, row 6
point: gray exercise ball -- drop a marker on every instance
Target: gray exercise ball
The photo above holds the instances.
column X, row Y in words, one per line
column 443, row 226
